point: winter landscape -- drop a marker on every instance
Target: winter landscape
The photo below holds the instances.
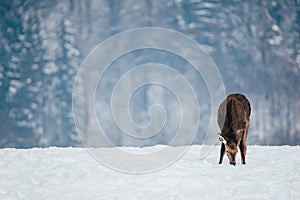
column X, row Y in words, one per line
column 110, row 99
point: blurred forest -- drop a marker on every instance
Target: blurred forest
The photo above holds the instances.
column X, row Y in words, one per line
column 255, row 44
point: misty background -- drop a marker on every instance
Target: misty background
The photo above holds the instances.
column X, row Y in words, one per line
column 254, row 43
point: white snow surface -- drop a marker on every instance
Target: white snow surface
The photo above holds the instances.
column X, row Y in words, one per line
column 72, row 173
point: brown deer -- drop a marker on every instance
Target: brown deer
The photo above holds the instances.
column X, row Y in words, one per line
column 233, row 120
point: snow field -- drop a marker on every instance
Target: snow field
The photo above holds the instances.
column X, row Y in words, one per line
column 72, row 173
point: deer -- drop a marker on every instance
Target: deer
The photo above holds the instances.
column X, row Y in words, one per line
column 233, row 120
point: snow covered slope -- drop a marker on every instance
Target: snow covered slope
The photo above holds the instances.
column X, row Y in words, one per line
column 72, row 173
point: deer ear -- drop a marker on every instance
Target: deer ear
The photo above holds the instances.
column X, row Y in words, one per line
column 222, row 139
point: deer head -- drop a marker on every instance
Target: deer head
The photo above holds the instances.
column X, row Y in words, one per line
column 231, row 142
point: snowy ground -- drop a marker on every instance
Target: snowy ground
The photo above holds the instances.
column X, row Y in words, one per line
column 72, row 173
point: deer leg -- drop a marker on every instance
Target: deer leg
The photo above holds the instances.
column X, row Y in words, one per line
column 222, row 152
column 243, row 149
column 243, row 146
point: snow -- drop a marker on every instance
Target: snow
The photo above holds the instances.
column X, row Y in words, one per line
column 72, row 173
column 50, row 68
